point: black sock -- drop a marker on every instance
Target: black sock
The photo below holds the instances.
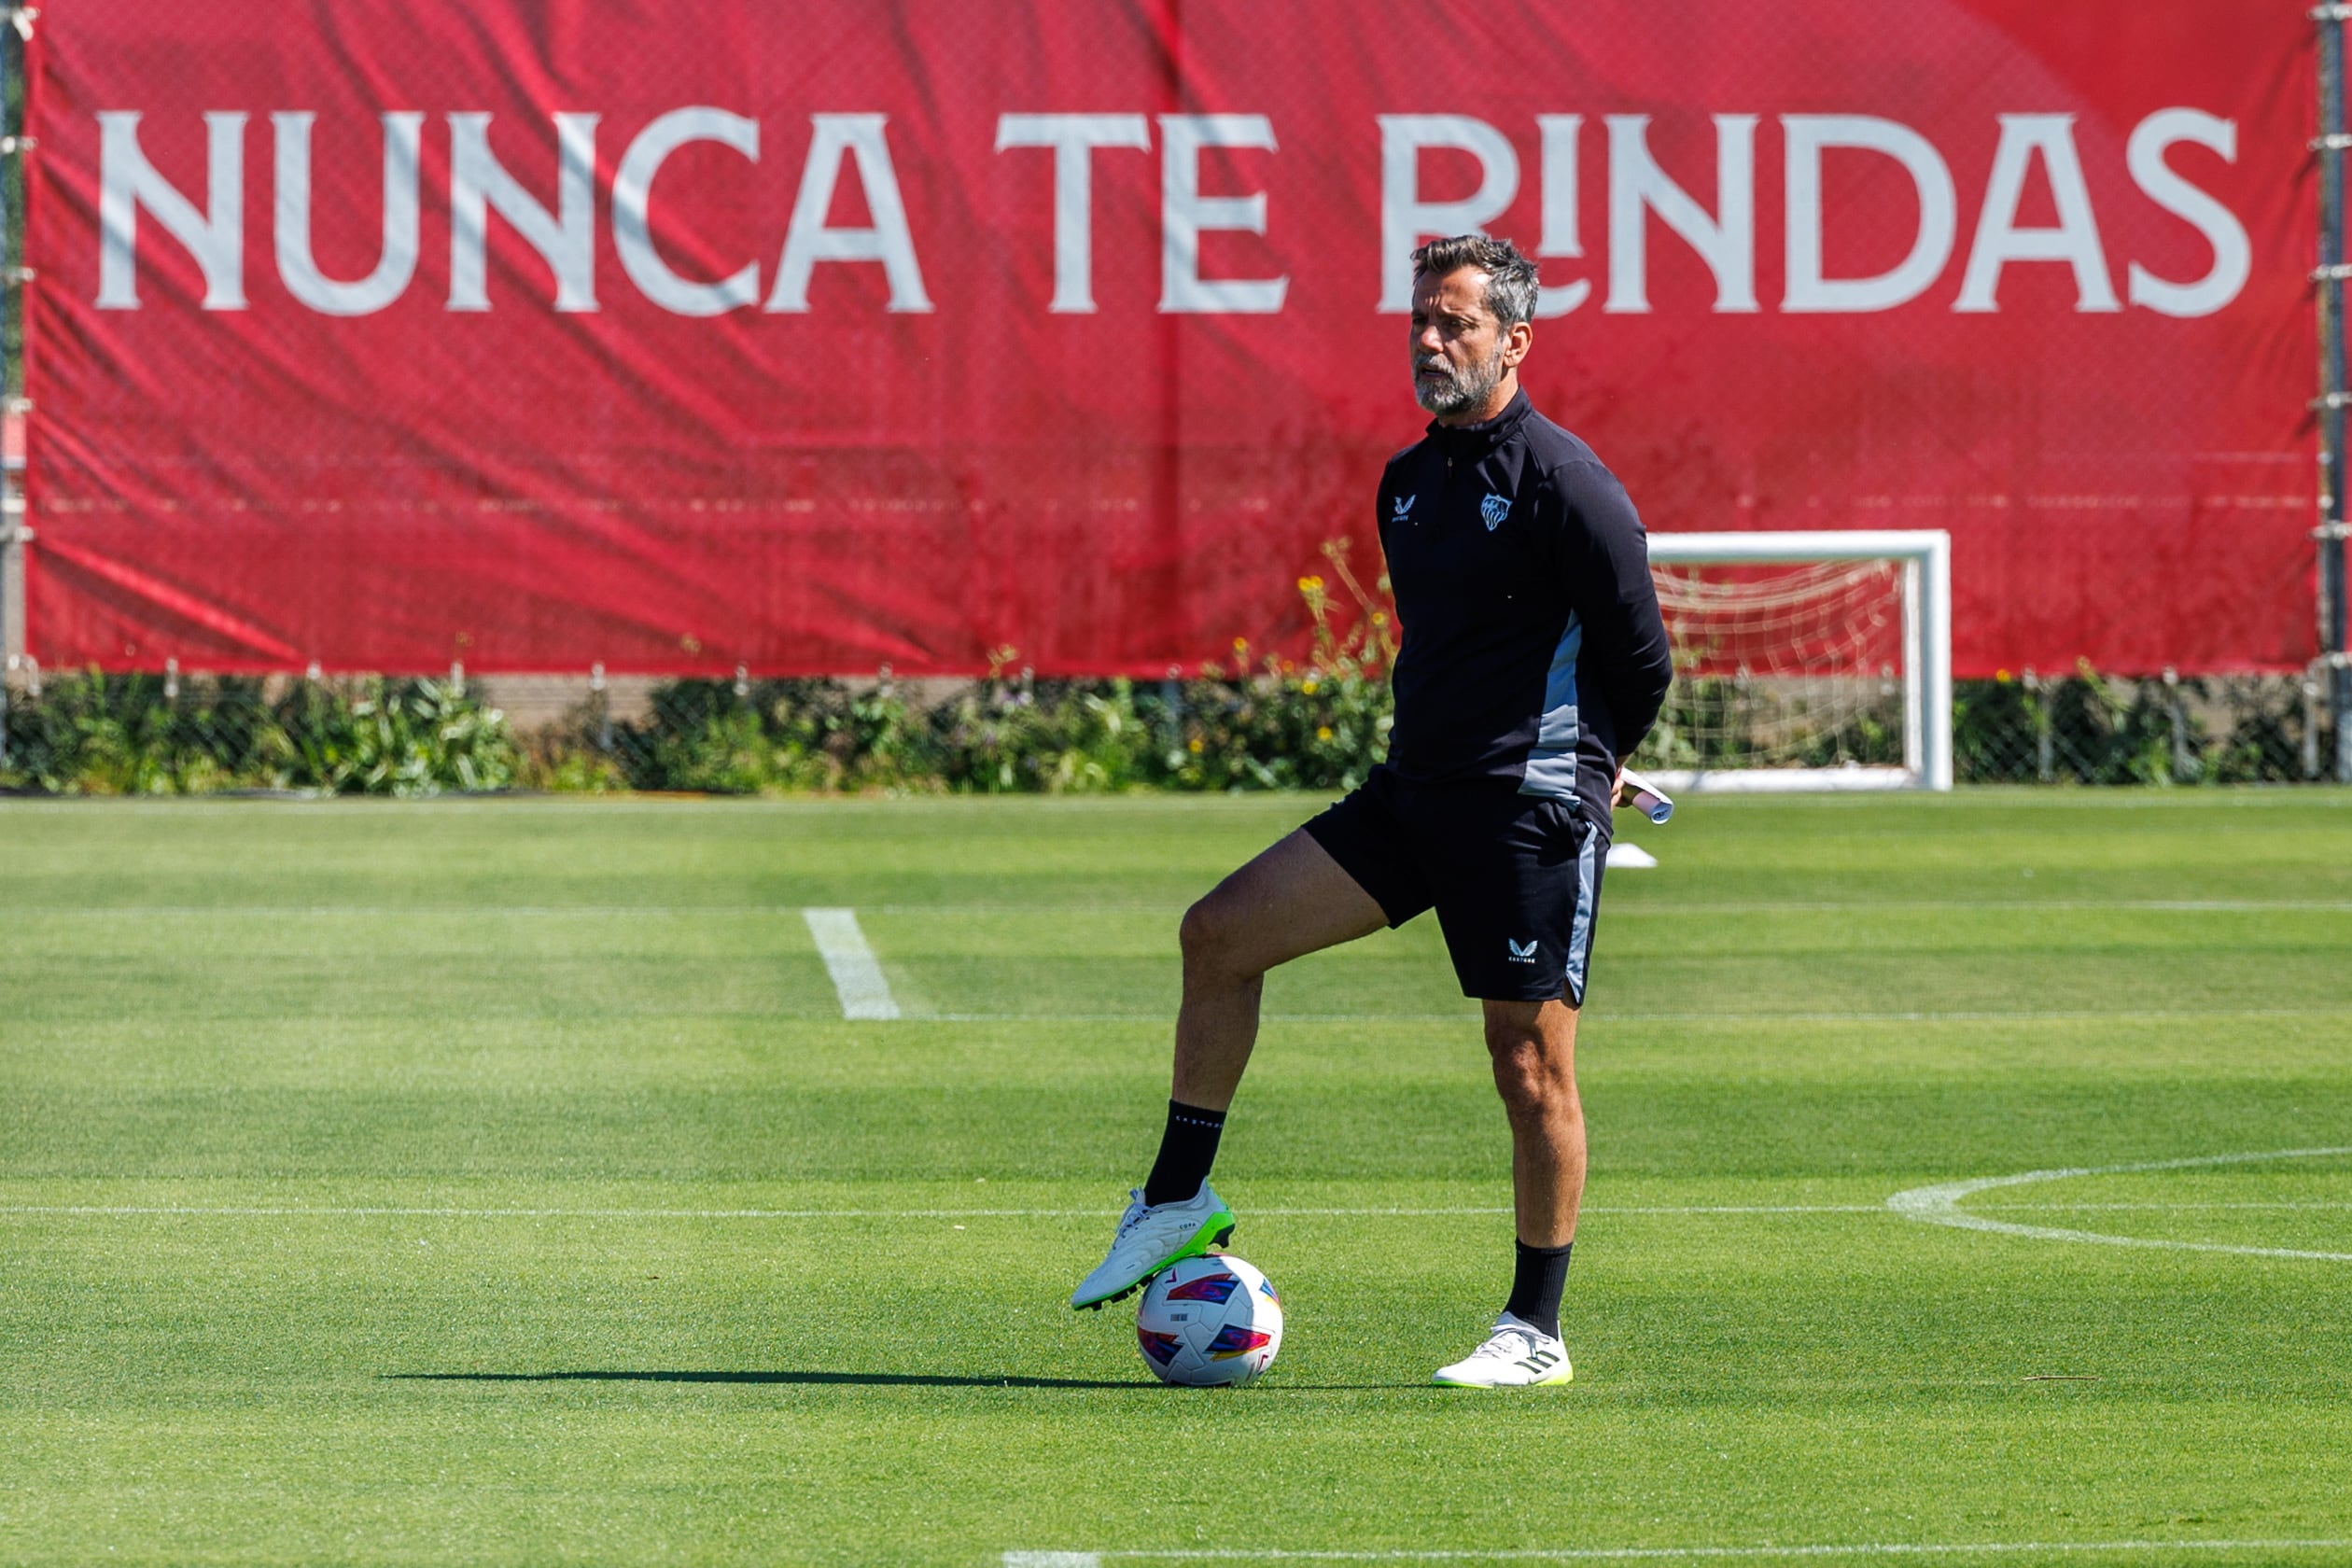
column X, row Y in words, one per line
column 1536, row 1284
column 1188, row 1149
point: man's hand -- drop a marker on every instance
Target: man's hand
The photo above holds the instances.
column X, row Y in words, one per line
column 1643, row 797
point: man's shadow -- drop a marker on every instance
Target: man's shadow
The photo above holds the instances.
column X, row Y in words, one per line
column 871, row 1380
column 864, row 1380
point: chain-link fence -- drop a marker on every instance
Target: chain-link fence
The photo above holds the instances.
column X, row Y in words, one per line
column 93, row 734
column 2090, row 729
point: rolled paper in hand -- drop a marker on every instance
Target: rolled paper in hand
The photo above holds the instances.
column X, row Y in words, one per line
column 1647, row 798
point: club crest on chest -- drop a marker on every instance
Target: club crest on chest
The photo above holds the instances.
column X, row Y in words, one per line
column 1493, row 509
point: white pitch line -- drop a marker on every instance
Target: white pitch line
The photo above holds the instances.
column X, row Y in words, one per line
column 1939, row 1204
column 1635, row 1554
column 855, row 976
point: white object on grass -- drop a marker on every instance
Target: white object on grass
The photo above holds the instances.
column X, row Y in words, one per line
column 1629, row 856
column 857, row 975
column 1941, row 1205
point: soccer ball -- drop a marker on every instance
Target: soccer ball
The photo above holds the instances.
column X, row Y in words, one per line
column 1208, row 1322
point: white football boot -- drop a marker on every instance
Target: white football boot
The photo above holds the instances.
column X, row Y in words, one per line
column 1150, row 1238
column 1516, row 1355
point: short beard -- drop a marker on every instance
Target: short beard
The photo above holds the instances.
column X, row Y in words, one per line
column 1461, row 391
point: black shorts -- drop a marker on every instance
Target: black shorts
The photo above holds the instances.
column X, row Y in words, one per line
column 1515, row 879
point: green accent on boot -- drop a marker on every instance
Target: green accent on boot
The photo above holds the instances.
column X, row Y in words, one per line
column 1216, row 1232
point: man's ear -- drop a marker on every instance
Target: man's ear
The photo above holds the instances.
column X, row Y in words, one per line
column 1516, row 342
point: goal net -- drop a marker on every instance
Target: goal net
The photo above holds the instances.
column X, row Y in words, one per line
column 1804, row 661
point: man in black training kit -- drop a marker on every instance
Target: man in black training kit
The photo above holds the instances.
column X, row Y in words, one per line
column 1534, row 661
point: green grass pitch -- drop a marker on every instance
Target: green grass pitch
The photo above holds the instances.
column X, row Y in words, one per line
column 499, row 1181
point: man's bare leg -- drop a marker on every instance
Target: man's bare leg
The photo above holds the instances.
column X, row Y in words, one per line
column 1291, row 901
column 1534, row 1048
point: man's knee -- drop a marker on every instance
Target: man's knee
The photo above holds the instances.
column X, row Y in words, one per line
column 1533, row 1071
column 1513, row 1034
column 1211, row 939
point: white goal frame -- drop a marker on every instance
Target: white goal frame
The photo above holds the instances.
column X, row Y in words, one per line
column 1925, row 558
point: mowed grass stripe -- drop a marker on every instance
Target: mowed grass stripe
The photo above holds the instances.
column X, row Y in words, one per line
column 1649, row 906
column 2153, row 1548
column 1098, row 967
column 2156, row 1549
column 1140, row 851
column 1091, row 966
column 236, row 1211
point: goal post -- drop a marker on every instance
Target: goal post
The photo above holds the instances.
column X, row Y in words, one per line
column 1790, row 650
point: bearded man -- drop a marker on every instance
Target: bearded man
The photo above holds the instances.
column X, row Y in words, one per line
column 1534, row 661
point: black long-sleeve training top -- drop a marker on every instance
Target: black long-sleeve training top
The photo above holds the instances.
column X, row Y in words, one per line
column 1532, row 647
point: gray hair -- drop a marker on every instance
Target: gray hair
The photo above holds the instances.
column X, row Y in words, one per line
column 1510, row 277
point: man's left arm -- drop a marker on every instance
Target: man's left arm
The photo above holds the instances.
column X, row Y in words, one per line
column 1607, row 561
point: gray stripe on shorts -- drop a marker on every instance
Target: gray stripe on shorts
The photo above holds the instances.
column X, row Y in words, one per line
column 1580, row 929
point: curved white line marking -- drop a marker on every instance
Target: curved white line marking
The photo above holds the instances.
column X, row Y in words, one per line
column 1941, row 1205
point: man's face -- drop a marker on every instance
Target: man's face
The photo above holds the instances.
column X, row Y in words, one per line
column 1458, row 356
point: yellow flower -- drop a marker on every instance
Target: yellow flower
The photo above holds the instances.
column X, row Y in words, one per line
column 1310, row 585
column 1380, row 618
column 1193, row 746
column 1240, row 645
column 1310, row 686
column 2002, row 676
column 1322, row 732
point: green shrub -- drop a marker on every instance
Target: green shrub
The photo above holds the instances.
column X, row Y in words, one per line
column 2265, row 741
column 749, row 737
column 1060, row 737
column 1997, row 730
column 116, row 735
column 100, row 734
column 1269, row 724
column 2090, row 729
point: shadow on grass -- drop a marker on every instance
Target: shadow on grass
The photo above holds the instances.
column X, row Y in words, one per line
column 855, row 1379
column 871, row 1380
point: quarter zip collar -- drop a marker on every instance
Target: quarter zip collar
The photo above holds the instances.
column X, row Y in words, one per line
column 1470, row 442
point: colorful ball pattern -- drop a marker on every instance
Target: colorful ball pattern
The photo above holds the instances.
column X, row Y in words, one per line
column 1211, row 1321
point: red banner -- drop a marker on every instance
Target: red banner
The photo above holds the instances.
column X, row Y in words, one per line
column 813, row 338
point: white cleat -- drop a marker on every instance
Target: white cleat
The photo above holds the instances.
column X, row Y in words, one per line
column 1152, row 1237
column 1516, row 1355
